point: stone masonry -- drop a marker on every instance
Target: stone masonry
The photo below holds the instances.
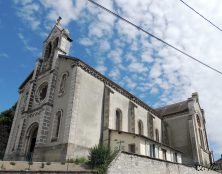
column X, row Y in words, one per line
column 126, row 163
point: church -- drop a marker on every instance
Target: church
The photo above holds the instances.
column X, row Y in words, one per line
column 65, row 107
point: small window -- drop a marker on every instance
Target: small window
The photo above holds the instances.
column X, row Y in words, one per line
column 56, row 127
column 198, row 121
column 175, row 157
column 48, row 50
column 63, row 83
column 157, row 135
column 55, row 43
column 201, row 137
column 140, row 127
column 152, row 150
column 164, row 157
column 118, row 120
column 132, row 148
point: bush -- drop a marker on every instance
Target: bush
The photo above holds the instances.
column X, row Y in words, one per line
column 100, row 157
column 63, row 163
column 48, row 163
column 2, row 167
column 30, row 163
column 42, row 165
column 70, row 161
column 80, row 160
column 12, row 163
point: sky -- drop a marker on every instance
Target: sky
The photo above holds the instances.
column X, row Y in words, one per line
column 144, row 66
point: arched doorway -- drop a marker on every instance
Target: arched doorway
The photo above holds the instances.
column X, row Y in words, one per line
column 31, row 140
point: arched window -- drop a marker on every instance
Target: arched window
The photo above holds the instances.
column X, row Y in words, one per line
column 55, row 42
column 200, row 131
column 57, row 122
column 157, row 135
column 140, row 127
column 198, row 121
column 48, row 50
column 118, row 120
column 63, row 83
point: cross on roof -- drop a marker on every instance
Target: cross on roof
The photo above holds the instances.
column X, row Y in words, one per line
column 58, row 20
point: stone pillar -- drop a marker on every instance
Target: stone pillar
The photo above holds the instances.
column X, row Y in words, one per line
column 131, row 117
column 105, row 116
column 150, row 132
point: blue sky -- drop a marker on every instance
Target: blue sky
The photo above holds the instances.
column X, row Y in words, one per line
column 147, row 68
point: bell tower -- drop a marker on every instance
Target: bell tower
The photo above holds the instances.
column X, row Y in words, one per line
column 57, row 42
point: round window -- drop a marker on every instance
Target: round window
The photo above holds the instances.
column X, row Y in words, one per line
column 41, row 92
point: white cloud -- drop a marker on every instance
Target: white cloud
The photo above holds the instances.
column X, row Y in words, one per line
column 86, row 42
column 4, row 55
column 27, row 13
column 137, row 67
column 26, row 43
column 129, row 82
column 101, row 68
column 114, row 74
column 115, row 56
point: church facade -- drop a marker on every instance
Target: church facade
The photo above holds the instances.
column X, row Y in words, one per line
column 66, row 107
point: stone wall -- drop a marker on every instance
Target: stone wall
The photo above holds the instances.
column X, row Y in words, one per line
column 136, row 164
column 47, row 172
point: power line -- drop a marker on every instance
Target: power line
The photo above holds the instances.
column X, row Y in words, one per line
column 201, row 15
column 157, row 38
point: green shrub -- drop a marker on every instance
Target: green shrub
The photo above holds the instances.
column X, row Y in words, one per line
column 48, row 163
column 12, row 163
column 63, row 163
column 42, row 165
column 30, row 163
column 81, row 160
column 2, row 167
column 100, row 157
column 70, row 161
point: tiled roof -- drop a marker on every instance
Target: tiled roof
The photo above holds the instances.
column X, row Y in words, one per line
column 173, row 109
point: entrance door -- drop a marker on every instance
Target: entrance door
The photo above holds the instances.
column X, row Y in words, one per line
column 32, row 141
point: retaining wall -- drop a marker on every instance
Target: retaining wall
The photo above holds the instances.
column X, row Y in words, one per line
column 126, row 163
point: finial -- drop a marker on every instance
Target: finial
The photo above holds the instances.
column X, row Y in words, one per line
column 58, row 20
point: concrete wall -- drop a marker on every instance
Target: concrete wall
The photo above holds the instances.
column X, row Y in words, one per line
column 179, row 136
column 85, row 128
column 183, row 132
column 131, row 164
column 142, row 145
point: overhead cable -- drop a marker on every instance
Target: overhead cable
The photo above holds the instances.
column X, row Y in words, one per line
column 200, row 15
column 157, row 38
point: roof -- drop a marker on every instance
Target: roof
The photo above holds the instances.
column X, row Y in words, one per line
column 219, row 160
column 145, row 137
column 109, row 83
column 26, row 80
column 180, row 107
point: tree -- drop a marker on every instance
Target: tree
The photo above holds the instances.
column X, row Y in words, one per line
column 6, row 117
